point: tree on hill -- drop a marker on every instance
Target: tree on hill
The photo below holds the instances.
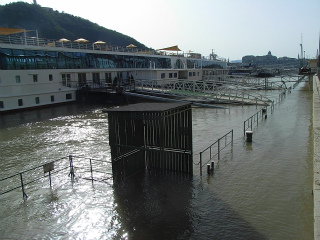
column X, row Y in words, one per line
column 55, row 25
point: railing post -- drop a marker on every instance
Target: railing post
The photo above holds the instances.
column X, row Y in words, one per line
column 219, row 149
column 232, row 136
column 91, row 170
column 71, row 167
column 200, row 163
column 50, row 179
column 24, row 195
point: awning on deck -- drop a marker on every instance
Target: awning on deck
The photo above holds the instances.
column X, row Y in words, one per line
column 173, row 48
column 8, row 31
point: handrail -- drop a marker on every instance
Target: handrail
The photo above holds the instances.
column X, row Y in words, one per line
column 33, row 41
column 219, row 149
column 34, row 174
column 254, row 119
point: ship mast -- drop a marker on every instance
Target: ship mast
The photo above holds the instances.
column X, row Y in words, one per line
column 301, row 54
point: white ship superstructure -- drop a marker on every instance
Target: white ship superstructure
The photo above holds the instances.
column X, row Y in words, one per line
column 38, row 72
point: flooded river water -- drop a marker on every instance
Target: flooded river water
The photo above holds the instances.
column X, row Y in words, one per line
column 259, row 190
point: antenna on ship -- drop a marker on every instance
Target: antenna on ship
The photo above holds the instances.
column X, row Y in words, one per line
column 301, row 55
column 35, row 2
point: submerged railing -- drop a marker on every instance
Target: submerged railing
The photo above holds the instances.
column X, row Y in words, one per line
column 91, row 169
column 221, row 144
column 254, row 119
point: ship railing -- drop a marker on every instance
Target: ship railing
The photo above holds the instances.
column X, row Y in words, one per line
column 54, row 171
column 33, row 41
column 214, row 150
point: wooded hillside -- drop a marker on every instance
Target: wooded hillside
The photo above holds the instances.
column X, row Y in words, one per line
column 52, row 24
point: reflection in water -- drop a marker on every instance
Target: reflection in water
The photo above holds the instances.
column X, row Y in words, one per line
column 259, row 190
column 174, row 206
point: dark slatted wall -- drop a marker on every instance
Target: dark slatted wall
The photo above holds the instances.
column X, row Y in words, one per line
column 159, row 138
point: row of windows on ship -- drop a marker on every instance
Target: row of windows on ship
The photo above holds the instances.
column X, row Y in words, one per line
column 82, row 77
column 35, row 59
column 36, row 100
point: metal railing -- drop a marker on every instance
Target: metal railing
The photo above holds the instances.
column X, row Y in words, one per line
column 91, row 169
column 254, row 119
column 204, row 90
column 34, row 41
column 209, row 152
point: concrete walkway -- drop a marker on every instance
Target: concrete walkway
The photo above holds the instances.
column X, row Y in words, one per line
column 316, row 156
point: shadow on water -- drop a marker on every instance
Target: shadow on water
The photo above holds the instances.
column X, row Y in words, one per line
column 13, row 119
column 157, row 205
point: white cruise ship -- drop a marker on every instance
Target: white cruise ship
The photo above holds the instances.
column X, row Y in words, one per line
column 38, row 72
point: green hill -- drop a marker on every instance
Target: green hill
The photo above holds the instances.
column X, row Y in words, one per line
column 55, row 25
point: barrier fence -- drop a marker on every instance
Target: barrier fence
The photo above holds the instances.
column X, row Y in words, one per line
column 209, row 152
column 85, row 168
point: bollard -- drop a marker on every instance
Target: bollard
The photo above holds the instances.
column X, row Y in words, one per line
column 212, row 166
column 249, row 136
column 208, row 168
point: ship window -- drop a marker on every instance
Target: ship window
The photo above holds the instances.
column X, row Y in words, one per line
column 175, row 75
column 66, row 78
column 68, row 96
column 82, row 79
column 20, row 102
column 50, row 77
column 52, row 98
column 190, row 74
column 1, row 104
column 18, row 79
column 37, row 99
column 163, row 75
column 96, row 78
column 35, row 78
column 170, row 75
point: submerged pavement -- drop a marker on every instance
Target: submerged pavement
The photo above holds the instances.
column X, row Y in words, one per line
column 316, row 156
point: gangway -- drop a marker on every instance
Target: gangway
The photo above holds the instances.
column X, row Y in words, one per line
column 201, row 91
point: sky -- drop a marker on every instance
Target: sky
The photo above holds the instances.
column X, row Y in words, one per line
column 229, row 28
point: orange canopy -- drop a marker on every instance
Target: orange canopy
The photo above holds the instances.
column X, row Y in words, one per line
column 173, row 48
column 8, row 31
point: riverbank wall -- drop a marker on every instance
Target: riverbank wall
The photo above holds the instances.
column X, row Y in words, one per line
column 316, row 156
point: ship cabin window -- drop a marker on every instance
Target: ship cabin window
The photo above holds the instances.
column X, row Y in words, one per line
column 163, row 75
column 18, row 79
column 35, row 78
column 66, row 80
column 96, row 78
column 193, row 73
column 190, row 74
column 170, row 75
column 20, row 102
column 175, row 75
column 68, row 96
column 52, row 98
column 37, row 99
column 82, row 79
column 108, row 77
column 50, row 77
column 1, row 104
